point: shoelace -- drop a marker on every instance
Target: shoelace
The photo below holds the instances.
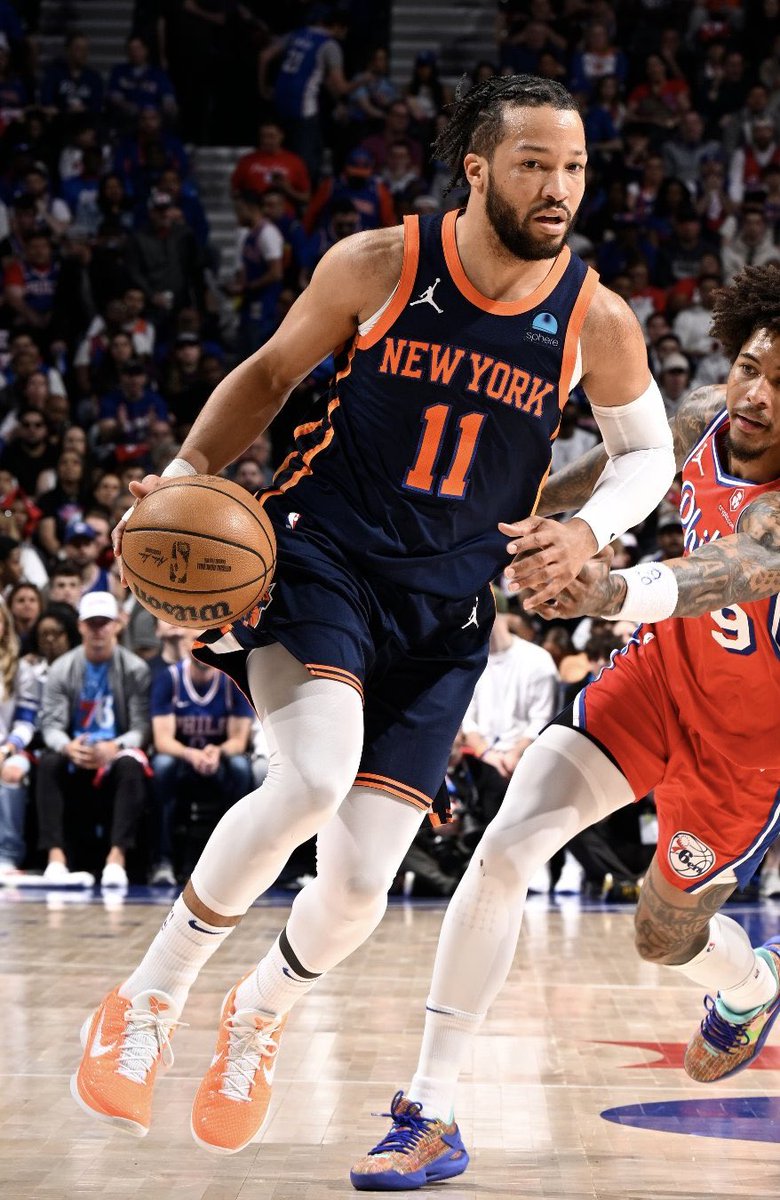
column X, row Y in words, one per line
column 409, row 1127
column 147, row 1036
column 246, row 1048
column 722, row 1034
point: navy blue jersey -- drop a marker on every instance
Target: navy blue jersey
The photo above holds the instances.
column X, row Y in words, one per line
column 201, row 716
column 440, row 420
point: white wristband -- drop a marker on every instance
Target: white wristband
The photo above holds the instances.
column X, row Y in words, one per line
column 651, row 593
column 178, row 467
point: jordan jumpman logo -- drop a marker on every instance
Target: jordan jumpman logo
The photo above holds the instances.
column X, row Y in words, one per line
column 473, row 618
column 426, row 297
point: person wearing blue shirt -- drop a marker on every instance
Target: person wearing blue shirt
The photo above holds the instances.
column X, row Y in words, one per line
column 200, row 730
column 137, row 84
column 126, row 414
column 69, row 85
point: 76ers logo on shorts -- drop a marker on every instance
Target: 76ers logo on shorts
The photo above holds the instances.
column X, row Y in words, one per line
column 689, row 857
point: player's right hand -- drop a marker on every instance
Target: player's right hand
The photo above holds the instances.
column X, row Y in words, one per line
column 139, row 488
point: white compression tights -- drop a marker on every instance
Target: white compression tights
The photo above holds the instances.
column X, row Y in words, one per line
column 315, row 735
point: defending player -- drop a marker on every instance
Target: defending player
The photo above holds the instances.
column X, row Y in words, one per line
column 691, row 709
column 457, row 340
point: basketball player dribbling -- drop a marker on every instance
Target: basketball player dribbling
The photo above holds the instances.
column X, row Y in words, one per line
column 691, row 709
column 457, row 340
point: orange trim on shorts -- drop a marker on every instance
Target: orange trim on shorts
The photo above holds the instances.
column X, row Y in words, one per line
column 382, row 783
column 500, row 308
column 313, row 451
column 405, row 284
column 337, row 674
column 576, row 320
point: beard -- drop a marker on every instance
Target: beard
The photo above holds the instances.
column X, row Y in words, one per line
column 517, row 236
column 739, row 453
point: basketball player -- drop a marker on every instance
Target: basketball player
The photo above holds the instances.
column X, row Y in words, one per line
column 457, row 340
column 691, row 709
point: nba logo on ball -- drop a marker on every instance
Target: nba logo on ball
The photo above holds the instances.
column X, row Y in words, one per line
column 689, row 857
column 545, row 323
column 180, row 558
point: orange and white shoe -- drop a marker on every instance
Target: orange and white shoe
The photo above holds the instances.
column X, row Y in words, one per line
column 231, row 1105
column 125, row 1041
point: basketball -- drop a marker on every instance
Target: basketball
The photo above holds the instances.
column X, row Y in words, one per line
column 198, row 551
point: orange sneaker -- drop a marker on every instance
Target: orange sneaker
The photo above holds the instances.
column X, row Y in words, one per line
column 231, row 1105
column 124, row 1041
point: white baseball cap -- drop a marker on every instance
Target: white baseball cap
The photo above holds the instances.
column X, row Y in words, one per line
column 98, row 604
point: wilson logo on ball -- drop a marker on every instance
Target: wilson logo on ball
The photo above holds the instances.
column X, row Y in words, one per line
column 206, row 614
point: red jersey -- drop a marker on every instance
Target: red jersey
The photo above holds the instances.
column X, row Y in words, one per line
column 723, row 668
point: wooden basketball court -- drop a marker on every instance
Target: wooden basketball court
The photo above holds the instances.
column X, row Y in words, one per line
column 582, row 1028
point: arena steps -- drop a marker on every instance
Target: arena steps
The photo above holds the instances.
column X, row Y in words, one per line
column 106, row 23
column 460, row 32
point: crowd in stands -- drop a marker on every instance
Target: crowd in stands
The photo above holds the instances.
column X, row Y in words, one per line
column 118, row 318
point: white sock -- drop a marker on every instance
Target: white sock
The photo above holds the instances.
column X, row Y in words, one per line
column 447, row 1039
column 279, row 981
column 184, row 944
column 728, row 964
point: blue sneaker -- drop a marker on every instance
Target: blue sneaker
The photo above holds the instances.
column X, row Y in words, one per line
column 727, row 1042
column 416, row 1151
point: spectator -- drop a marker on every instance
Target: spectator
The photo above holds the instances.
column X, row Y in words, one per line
column 400, row 175
column 186, row 204
column 683, row 254
column 692, row 325
column 103, row 495
column 749, row 243
column 270, row 165
column 358, row 185
column 151, row 149
column 250, row 475
column 258, row 280
column 311, row 59
column 24, row 605
column 137, row 84
column 750, row 161
column 397, row 126
column 82, row 549
column 200, row 731
column 63, row 504
column 14, row 94
column 426, row 95
column 52, row 215
column 572, row 439
column 513, row 701
column 713, row 203
column 659, row 102
column 126, row 414
column 168, row 645
column 674, row 381
column 669, row 536
column 65, row 585
column 94, row 723
column 69, row 84
column 185, row 387
column 375, row 91
column 30, row 453
column 163, row 261
column 31, row 282
column 685, row 155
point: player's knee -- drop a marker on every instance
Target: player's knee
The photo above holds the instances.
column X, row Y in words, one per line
column 363, row 891
column 510, row 862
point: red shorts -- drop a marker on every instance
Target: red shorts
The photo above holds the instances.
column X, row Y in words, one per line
column 714, row 816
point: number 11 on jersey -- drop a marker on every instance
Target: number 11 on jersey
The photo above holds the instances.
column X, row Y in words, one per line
column 420, row 476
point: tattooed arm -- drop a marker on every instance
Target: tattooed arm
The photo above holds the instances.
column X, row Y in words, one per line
column 571, row 487
column 732, row 570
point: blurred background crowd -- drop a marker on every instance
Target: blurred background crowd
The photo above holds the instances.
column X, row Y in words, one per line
column 171, row 173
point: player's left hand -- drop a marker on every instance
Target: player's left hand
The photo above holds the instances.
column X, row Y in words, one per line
column 548, row 556
column 595, row 592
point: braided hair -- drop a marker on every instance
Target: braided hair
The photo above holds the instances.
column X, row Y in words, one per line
column 750, row 303
column 476, row 119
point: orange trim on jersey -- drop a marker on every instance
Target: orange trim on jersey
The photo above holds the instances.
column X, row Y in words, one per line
column 337, row 674
column 345, row 370
column 267, row 496
column 378, row 783
column 415, row 796
column 404, row 289
column 313, row 451
column 539, row 489
column 500, row 308
column 573, row 331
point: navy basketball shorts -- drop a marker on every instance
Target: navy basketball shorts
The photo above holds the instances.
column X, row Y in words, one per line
column 414, row 658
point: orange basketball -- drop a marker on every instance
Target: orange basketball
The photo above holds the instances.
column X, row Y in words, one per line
column 198, row 551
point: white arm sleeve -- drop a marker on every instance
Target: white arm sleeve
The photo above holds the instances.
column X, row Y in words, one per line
column 641, row 465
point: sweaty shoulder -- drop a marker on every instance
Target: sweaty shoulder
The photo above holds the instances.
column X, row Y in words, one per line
column 369, row 264
column 614, row 355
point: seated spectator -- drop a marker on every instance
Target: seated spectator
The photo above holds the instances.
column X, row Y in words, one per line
column 397, row 128
column 65, row 582
column 80, row 136
column 200, row 731
column 513, row 701
column 361, row 187
column 125, row 415
column 82, row 550
column 103, row 494
column 749, row 162
column 270, row 165
column 30, row 453
column 748, row 242
column 14, row 94
column 685, row 155
column 645, row 299
column 31, row 283
column 597, row 58
column 727, row 90
column 53, row 216
column 375, row 91
column 81, row 196
column 713, row 203
column 674, row 381
column 250, row 475
column 572, row 440
column 604, row 120
column 12, row 793
column 70, row 85
column 400, row 174
column 682, row 255
column 426, row 95
column 668, row 535
column 94, row 723
column 185, row 388
column 163, row 260
column 25, row 605
column 62, row 504
column 168, row 645
column 692, row 324
column 659, row 102
column 149, row 150
column 137, row 84
column 186, row 203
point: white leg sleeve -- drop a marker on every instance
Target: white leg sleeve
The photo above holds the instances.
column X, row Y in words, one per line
column 562, row 784
column 359, row 852
column 315, row 733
